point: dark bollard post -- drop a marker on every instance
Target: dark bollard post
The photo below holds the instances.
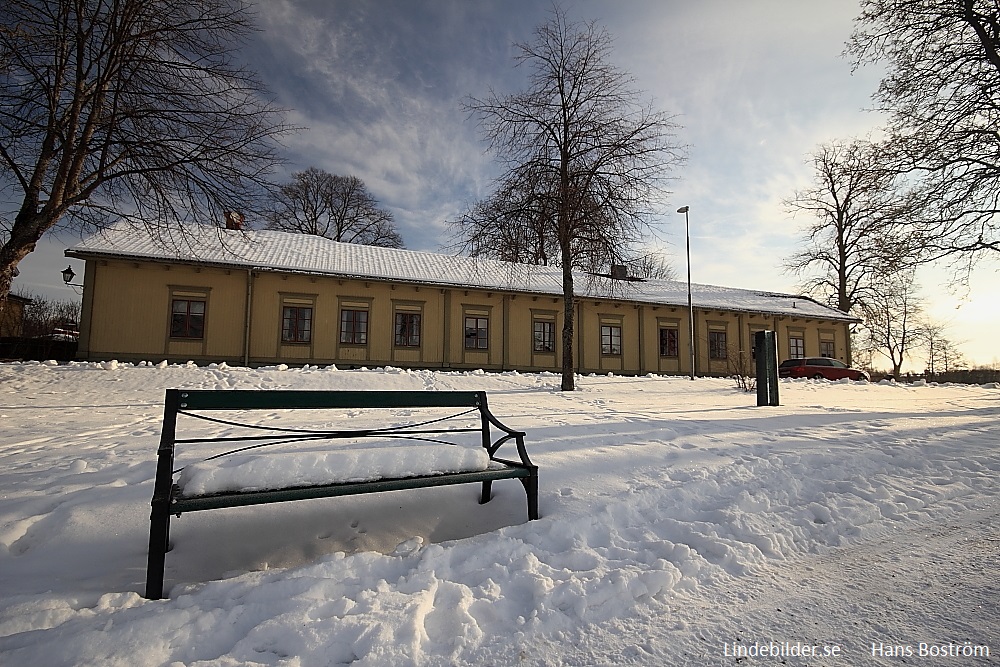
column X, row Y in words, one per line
column 766, row 346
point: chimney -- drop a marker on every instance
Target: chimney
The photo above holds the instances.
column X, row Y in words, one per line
column 619, row 272
column 234, row 220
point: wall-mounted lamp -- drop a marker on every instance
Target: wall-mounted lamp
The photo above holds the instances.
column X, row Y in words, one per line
column 67, row 275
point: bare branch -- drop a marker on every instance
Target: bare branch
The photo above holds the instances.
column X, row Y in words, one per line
column 942, row 92
column 128, row 109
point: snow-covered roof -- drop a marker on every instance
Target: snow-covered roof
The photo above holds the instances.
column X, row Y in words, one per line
column 302, row 253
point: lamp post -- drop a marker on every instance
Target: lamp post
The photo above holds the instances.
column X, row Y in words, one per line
column 687, row 238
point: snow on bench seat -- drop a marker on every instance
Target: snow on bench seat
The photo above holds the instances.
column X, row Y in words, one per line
column 264, row 472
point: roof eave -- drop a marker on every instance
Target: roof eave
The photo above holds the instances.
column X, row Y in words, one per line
column 96, row 254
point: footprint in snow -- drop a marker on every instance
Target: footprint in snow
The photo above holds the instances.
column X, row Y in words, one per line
column 408, row 547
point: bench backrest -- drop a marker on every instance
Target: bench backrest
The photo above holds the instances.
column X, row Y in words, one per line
column 180, row 400
column 255, row 399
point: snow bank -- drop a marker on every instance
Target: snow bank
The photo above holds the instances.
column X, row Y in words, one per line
column 667, row 507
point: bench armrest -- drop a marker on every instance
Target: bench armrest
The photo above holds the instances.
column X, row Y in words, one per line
column 510, row 434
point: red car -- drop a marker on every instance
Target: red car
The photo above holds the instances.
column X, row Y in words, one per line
column 819, row 368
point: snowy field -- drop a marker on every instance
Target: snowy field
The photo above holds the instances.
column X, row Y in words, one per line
column 680, row 525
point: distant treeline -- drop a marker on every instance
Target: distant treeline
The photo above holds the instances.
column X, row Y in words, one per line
column 965, row 376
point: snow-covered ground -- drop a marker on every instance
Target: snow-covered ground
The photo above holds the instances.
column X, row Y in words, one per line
column 681, row 525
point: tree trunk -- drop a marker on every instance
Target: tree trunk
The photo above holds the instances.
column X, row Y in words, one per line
column 28, row 228
column 568, row 365
column 566, row 250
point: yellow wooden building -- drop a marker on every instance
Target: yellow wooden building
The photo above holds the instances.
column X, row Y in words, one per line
column 264, row 297
column 12, row 315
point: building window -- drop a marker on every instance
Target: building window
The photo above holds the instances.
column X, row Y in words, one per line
column 826, row 349
column 611, row 339
column 796, row 347
column 544, row 336
column 296, row 324
column 477, row 333
column 668, row 342
column 717, row 348
column 354, row 327
column 187, row 318
column 407, row 330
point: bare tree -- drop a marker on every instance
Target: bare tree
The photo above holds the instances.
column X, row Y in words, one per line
column 932, row 339
column 44, row 316
column 950, row 356
column 942, row 353
column 851, row 243
column 583, row 159
column 742, row 368
column 335, row 207
column 651, row 266
column 129, row 109
column 892, row 319
column 942, row 91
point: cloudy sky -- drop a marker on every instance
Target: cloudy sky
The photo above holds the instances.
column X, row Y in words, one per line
column 755, row 87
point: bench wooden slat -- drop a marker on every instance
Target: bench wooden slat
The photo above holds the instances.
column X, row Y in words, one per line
column 248, row 399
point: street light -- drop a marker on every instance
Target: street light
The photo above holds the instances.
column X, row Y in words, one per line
column 687, row 237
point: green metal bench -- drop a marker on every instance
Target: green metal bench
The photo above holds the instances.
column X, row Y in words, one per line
column 168, row 498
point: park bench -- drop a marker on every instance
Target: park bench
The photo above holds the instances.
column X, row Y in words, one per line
column 178, row 491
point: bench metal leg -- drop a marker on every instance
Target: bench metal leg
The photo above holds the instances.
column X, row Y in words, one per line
column 159, row 538
column 531, row 491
